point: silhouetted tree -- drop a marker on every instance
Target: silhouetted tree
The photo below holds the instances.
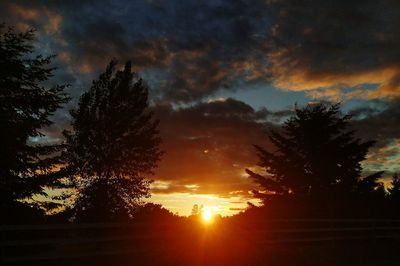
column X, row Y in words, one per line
column 316, row 153
column 25, row 107
column 196, row 210
column 370, row 186
column 394, row 190
column 115, row 141
column 156, row 213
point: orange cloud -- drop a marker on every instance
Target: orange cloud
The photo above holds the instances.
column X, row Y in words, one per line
column 24, row 18
column 335, row 51
column 23, row 12
column 53, row 23
column 251, row 69
column 85, row 68
column 64, row 56
column 293, row 75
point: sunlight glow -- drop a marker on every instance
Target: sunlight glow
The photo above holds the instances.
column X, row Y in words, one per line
column 207, row 216
column 182, row 203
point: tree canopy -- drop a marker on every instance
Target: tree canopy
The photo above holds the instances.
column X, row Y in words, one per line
column 26, row 104
column 394, row 190
column 317, row 152
column 114, row 143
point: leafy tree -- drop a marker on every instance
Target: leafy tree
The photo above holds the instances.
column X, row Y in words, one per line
column 196, row 210
column 316, row 153
column 151, row 212
column 394, row 190
column 25, row 107
column 115, row 141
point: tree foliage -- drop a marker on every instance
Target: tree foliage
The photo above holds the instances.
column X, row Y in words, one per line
column 196, row 210
column 115, row 141
column 25, row 107
column 394, row 190
column 316, row 153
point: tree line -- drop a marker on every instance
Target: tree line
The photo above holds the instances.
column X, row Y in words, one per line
column 114, row 143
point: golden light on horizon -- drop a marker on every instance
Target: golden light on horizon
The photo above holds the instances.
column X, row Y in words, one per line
column 207, row 216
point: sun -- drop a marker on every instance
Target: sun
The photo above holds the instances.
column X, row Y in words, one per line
column 207, row 216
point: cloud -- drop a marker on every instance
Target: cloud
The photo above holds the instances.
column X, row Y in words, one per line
column 337, row 44
column 191, row 50
column 198, row 47
column 380, row 122
column 54, row 22
column 201, row 48
column 31, row 16
column 24, row 13
column 208, row 146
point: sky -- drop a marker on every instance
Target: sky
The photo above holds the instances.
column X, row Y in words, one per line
column 223, row 73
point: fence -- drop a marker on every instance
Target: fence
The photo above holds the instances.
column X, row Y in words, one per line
column 36, row 243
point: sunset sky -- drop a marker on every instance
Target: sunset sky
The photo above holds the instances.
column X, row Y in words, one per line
column 222, row 73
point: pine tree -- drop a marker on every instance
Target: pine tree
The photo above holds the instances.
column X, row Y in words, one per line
column 371, row 186
column 394, row 190
column 316, row 153
column 115, row 141
column 25, row 107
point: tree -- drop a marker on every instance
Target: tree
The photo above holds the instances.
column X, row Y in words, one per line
column 154, row 213
column 370, row 186
column 316, row 153
column 115, row 141
column 25, row 107
column 196, row 210
column 394, row 190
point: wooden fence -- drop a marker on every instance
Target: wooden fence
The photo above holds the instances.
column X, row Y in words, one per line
column 34, row 243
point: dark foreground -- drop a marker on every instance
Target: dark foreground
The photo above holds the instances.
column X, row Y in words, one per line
column 281, row 242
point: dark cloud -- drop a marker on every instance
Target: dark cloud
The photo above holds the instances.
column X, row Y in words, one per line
column 200, row 47
column 380, row 122
column 196, row 48
column 382, row 126
column 332, row 43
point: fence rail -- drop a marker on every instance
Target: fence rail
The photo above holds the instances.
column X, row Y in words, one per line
column 74, row 241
